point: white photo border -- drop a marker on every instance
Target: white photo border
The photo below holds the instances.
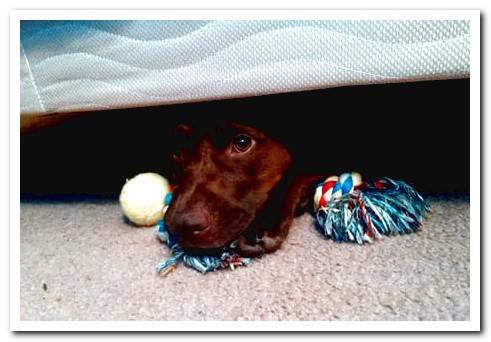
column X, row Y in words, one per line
column 475, row 166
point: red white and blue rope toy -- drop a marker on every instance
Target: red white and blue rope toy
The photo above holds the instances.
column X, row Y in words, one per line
column 347, row 209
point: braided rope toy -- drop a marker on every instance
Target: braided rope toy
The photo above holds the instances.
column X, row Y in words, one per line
column 347, row 209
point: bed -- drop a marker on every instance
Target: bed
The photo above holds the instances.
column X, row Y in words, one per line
column 79, row 65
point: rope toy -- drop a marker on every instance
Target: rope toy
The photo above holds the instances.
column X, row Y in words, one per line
column 346, row 209
column 201, row 263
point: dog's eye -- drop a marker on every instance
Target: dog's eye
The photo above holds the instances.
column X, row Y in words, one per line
column 176, row 156
column 242, row 143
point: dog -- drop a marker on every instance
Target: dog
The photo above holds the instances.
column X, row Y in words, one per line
column 235, row 183
column 245, row 168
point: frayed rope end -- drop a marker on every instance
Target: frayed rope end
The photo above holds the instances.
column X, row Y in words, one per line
column 201, row 263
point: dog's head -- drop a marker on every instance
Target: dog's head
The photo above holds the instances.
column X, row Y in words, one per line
column 225, row 175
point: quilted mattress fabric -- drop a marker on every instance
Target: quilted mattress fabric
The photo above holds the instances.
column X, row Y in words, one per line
column 89, row 65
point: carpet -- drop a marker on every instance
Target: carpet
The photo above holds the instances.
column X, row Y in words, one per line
column 80, row 260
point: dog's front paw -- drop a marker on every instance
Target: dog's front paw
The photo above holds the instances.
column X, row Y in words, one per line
column 258, row 246
column 270, row 243
column 249, row 249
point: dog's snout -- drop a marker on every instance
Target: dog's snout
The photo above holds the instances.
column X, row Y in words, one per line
column 193, row 221
column 196, row 221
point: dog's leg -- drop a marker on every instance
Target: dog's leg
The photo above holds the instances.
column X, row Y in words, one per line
column 248, row 246
column 271, row 228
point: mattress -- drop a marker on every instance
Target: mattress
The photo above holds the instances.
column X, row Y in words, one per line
column 69, row 66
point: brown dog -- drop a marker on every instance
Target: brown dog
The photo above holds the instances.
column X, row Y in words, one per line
column 244, row 180
column 234, row 183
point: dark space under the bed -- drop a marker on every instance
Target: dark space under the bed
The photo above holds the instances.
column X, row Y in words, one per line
column 418, row 132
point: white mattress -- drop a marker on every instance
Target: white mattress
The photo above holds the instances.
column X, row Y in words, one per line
column 87, row 65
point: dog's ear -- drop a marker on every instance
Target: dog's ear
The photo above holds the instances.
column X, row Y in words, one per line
column 180, row 145
column 184, row 129
column 180, row 141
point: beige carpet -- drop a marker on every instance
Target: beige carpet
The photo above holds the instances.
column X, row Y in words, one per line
column 81, row 261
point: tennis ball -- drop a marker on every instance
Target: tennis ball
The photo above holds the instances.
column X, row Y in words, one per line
column 142, row 198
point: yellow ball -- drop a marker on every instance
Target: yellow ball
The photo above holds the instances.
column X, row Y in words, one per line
column 142, row 198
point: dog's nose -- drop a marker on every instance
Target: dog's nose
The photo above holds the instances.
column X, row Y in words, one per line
column 194, row 221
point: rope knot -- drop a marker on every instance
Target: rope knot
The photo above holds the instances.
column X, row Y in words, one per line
column 334, row 187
